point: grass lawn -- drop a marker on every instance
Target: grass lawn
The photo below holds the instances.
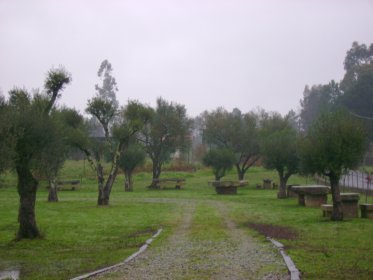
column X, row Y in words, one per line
column 81, row 237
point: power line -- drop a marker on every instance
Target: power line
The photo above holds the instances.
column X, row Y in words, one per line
column 361, row 117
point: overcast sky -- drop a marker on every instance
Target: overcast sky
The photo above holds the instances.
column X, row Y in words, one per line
column 200, row 53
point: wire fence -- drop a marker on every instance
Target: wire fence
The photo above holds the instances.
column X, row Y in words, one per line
column 356, row 181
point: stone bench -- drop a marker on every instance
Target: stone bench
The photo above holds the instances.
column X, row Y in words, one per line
column 162, row 183
column 267, row 184
column 290, row 192
column 227, row 187
column 72, row 183
column 327, row 210
column 311, row 195
column 350, row 205
column 366, row 210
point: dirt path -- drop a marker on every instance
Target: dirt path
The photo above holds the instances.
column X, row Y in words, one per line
column 181, row 257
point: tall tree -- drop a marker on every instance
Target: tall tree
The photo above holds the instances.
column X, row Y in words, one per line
column 117, row 137
column 357, row 84
column 167, row 131
column 279, row 148
column 108, row 89
column 316, row 100
column 357, row 97
column 334, row 143
column 34, row 132
column 357, row 56
column 235, row 131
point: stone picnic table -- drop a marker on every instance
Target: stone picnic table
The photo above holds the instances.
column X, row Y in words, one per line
column 311, row 195
column 163, row 182
column 366, row 210
column 226, row 186
column 350, row 206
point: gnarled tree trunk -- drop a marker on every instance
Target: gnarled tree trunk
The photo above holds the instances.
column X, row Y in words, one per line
column 242, row 167
column 157, row 168
column 100, row 182
column 52, row 194
column 104, row 193
column 240, row 173
column 27, row 187
column 337, row 214
column 283, row 181
column 128, row 182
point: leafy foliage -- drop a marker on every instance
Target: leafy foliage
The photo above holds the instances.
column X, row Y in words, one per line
column 133, row 156
column 167, row 130
column 334, row 143
column 236, row 131
column 7, row 141
column 279, row 148
column 357, row 56
column 36, row 149
column 220, row 160
column 317, row 99
column 109, row 88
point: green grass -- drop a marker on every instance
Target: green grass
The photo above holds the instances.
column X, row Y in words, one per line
column 213, row 230
column 81, row 237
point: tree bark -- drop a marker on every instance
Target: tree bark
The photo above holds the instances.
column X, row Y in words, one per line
column 52, row 195
column 128, row 182
column 282, row 188
column 240, row 172
column 106, row 188
column 157, row 168
column 337, row 214
column 27, row 187
column 100, row 181
column 242, row 169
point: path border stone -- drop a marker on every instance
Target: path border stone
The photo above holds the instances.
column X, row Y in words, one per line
column 294, row 272
column 134, row 255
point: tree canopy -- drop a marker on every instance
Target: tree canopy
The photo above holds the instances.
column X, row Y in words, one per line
column 34, row 134
column 220, row 160
column 132, row 157
column 316, row 100
column 279, row 148
column 334, row 143
column 166, row 132
column 235, row 131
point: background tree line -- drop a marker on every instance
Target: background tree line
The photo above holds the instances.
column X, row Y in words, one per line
column 36, row 134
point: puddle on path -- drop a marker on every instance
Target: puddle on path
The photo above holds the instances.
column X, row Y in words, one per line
column 9, row 274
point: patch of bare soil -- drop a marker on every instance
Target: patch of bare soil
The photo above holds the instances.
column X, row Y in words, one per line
column 273, row 231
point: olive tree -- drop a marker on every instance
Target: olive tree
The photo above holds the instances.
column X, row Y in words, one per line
column 130, row 121
column 220, row 160
column 166, row 132
column 119, row 126
column 334, row 143
column 279, row 148
column 33, row 132
column 132, row 157
column 235, row 131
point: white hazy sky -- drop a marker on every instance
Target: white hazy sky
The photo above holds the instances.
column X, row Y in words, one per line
column 200, row 53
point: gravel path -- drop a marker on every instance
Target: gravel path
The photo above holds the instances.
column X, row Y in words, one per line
column 180, row 257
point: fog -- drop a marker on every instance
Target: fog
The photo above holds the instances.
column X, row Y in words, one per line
column 202, row 54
